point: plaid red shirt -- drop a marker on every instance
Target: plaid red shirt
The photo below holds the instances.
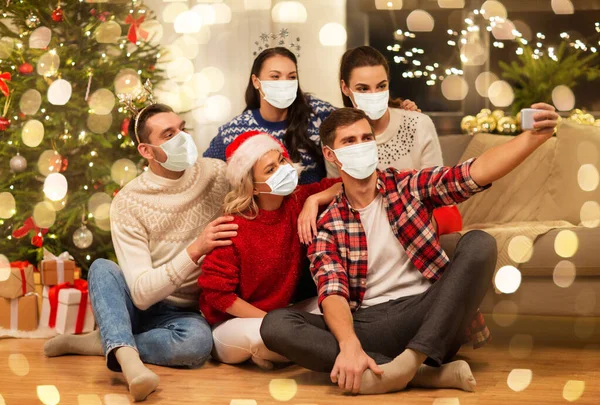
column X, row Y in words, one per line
column 339, row 260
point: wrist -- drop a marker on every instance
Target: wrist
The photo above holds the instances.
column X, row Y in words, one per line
column 349, row 342
column 195, row 253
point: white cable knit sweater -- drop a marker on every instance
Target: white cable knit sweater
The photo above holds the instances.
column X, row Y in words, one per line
column 154, row 220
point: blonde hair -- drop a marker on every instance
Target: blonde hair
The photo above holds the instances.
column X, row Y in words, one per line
column 240, row 200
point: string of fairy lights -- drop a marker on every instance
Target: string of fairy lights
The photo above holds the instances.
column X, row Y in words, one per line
column 469, row 45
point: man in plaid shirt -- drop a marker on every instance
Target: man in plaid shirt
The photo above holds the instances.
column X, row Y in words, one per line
column 391, row 298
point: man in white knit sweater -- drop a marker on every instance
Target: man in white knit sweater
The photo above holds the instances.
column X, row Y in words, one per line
column 163, row 223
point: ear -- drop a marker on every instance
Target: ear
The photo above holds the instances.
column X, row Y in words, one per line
column 345, row 89
column 328, row 154
column 255, row 82
column 145, row 151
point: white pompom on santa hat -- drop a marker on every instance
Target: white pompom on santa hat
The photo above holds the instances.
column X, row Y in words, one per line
column 245, row 150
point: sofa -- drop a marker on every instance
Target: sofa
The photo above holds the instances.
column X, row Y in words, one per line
column 553, row 199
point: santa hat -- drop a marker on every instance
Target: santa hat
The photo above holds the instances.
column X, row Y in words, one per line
column 245, row 150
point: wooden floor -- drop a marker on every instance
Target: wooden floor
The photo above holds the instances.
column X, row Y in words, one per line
column 86, row 381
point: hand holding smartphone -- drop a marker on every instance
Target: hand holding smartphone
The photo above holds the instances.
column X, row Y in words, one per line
column 527, row 118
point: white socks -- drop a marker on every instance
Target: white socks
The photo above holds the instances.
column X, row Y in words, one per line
column 142, row 382
column 89, row 344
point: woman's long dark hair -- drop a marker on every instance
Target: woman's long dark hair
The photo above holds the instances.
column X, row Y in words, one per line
column 296, row 135
column 360, row 57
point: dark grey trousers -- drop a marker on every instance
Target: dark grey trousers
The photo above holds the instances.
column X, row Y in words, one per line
column 432, row 323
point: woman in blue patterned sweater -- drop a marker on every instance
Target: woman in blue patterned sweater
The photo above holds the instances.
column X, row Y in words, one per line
column 276, row 105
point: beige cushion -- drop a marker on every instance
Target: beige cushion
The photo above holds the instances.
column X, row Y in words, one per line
column 453, row 147
column 516, row 197
column 576, row 145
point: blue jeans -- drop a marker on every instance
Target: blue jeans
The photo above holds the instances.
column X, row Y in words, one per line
column 163, row 334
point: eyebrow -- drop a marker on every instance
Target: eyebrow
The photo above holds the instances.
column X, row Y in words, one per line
column 163, row 133
column 277, row 71
column 366, row 85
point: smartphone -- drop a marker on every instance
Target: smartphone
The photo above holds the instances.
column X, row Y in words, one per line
column 527, row 118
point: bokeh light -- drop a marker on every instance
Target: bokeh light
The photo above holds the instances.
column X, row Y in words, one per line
column 590, row 214
column 99, row 124
column 32, row 133
column 563, row 98
column 7, row 205
column 207, row 14
column 88, row 399
column 18, row 364
column 215, row 77
column 289, row 12
column 44, row 214
column 519, row 379
column 484, row 81
column 455, row 88
column 388, row 5
column 40, row 38
column 30, row 102
column 123, row 171
column 116, row 399
column 59, row 92
column 562, row 7
column 108, row 32
column 128, row 81
column 566, row 244
column 420, row 21
column 503, row 30
column 155, row 31
column 218, row 108
column 588, row 177
column 222, row 13
column 283, row 389
column 180, row 70
column 187, row 22
column 172, row 10
column 48, row 63
column 501, row 93
column 50, row 161
column 102, row 101
column 492, row 8
column 508, row 279
column 55, row 186
column 520, row 249
column 573, row 390
column 332, row 34
column 505, row 312
column 96, row 201
column 48, row 394
column 520, row 346
column 564, row 274
column 190, row 44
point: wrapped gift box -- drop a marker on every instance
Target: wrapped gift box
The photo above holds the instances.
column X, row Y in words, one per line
column 19, row 313
column 20, row 282
column 57, row 271
column 70, row 308
column 45, row 307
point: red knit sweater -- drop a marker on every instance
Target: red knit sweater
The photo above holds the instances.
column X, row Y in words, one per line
column 263, row 264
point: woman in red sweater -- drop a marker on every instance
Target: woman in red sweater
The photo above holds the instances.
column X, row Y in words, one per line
column 259, row 271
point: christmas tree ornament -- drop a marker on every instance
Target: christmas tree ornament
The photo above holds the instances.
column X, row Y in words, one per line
column 497, row 114
column 32, row 21
column 467, row 123
column 18, row 163
column 4, row 123
column 134, row 28
column 484, row 113
column 125, row 126
column 5, row 77
column 25, row 69
column 57, row 14
column 83, row 237
column 507, row 125
column 487, row 124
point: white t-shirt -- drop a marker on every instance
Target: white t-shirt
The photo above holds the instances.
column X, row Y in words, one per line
column 410, row 141
column 390, row 273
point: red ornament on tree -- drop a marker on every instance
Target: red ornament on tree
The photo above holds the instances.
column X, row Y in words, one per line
column 64, row 164
column 57, row 14
column 125, row 126
column 25, row 69
column 4, row 123
column 116, row 192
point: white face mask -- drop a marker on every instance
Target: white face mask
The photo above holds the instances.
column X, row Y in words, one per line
column 373, row 104
column 181, row 152
column 359, row 161
column 283, row 182
column 279, row 93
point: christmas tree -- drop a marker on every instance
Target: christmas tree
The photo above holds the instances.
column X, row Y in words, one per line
column 64, row 150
